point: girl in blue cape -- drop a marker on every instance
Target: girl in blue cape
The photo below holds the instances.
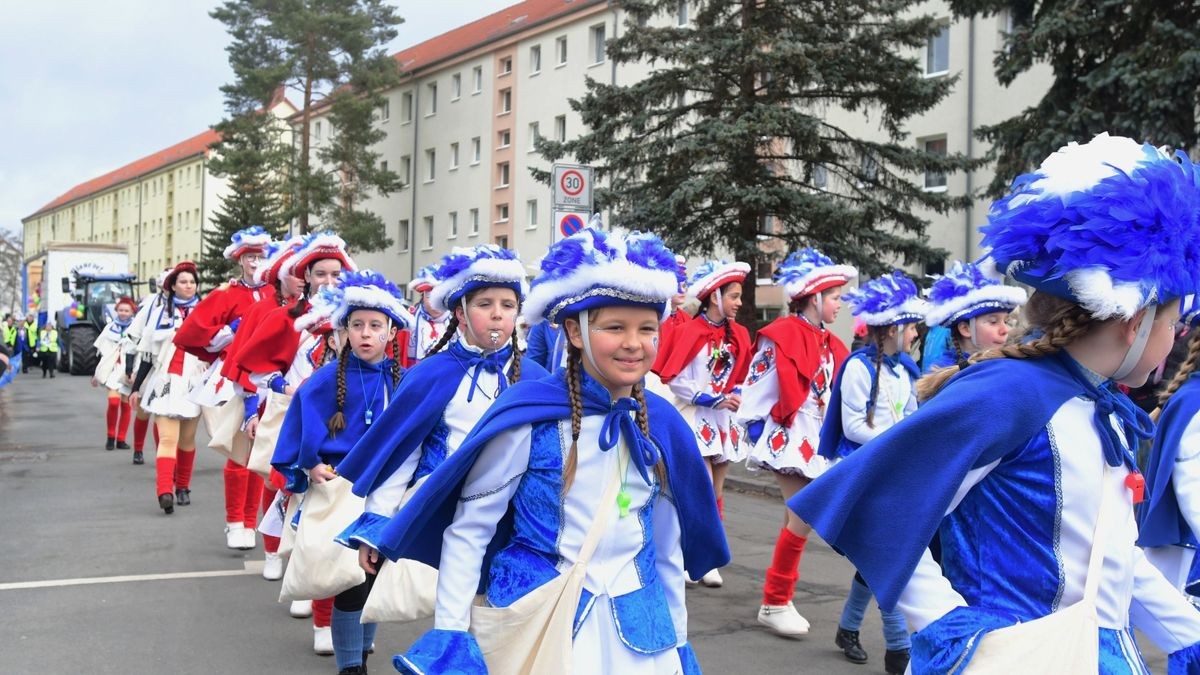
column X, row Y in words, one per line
column 510, row 511
column 968, row 313
column 1016, row 460
column 456, row 382
column 335, row 407
column 1170, row 519
column 875, row 389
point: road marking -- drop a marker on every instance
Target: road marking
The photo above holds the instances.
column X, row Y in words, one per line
column 249, row 567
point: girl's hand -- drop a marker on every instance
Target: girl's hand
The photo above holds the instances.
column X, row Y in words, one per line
column 289, row 390
column 322, row 473
column 134, row 399
column 95, row 382
column 368, row 559
column 252, row 427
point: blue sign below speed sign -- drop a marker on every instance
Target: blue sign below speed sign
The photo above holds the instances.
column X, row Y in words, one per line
column 570, row 224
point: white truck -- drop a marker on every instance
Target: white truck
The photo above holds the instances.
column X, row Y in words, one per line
column 93, row 275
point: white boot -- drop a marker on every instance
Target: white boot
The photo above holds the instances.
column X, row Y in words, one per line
column 233, row 535
column 300, row 609
column 273, row 567
column 249, row 539
column 783, row 620
column 712, row 579
column 323, row 640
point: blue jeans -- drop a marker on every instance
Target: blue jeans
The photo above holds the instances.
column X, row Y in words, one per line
column 895, row 628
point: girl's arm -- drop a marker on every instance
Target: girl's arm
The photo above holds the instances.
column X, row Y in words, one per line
column 694, row 385
column 856, row 390
column 1166, row 617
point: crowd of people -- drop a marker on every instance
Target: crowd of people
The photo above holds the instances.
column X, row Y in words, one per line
column 540, row 467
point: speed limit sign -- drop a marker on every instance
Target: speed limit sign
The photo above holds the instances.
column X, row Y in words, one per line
column 572, row 187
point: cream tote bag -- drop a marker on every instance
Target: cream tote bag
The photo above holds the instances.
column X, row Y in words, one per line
column 263, row 446
column 225, row 429
column 405, row 590
column 533, row 636
column 320, row 567
column 1067, row 641
column 287, row 540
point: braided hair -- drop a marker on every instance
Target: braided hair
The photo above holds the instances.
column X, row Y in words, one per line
column 1185, row 371
column 451, row 330
column 301, row 305
column 514, row 374
column 878, row 334
column 337, row 422
column 1062, row 322
column 396, row 370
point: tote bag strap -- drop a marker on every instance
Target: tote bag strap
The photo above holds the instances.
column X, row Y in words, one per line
column 604, row 513
column 1100, row 537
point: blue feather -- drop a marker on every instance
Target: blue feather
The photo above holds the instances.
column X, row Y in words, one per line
column 800, row 264
column 882, row 294
column 959, row 281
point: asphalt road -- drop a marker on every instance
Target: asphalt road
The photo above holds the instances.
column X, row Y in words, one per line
column 82, row 527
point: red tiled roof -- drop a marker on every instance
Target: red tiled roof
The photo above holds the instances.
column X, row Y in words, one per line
column 193, row 146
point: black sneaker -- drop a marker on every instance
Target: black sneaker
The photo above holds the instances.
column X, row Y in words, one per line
column 110, row 443
column 166, row 502
column 183, row 496
column 122, row 445
column 895, row 662
column 847, row 641
column 137, row 457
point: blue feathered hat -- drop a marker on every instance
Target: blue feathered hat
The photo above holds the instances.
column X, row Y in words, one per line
column 714, row 274
column 888, row 300
column 1111, row 225
column 251, row 239
column 594, row 268
column 809, row 271
column 968, row 291
column 425, row 280
column 365, row 289
column 467, row 269
column 1189, row 310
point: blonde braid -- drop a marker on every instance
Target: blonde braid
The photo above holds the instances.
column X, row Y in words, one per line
column 515, row 373
column 643, row 420
column 574, row 363
column 1185, row 371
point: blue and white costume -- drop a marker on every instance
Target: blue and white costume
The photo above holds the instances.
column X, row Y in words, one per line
column 965, row 293
column 110, row 372
column 426, row 330
column 1017, row 454
column 631, row 617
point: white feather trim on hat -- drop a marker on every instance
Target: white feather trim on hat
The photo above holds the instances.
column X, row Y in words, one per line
column 497, row 271
column 619, row 278
column 913, row 309
column 723, row 274
column 372, row 297
column 796, row 288
column 246, row 241
column 1096, row 292
column 1004, row 298
column 314, row 245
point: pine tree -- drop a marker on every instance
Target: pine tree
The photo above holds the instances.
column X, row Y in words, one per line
column 1125, row 67
column 331, row 53
column 729, row 139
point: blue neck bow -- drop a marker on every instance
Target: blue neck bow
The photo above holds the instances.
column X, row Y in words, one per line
column 1135, row 423
column 476, row 363
column 618, row 423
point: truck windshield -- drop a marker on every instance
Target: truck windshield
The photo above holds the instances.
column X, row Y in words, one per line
column 108, row 292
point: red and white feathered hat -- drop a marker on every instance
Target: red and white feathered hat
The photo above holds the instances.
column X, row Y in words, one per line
column 809, row 271
column 250, row 240
column 277, row 255
column 318, row 246
column 714, row 274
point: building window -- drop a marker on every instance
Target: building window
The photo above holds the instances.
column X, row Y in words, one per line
column 477, row 79
column 403, row 236
column 317, row 130
column 531, row 214
column 560, row 50
column 681, row 13
column 406, row 107
column 502, row 213
column 868, row 168
column 935, row 180
column 937, row 52
column 506, row 65
column 535, row 59
column 1006, row 25
column 455, row 86
column 505, row 101
column 383, row 165
column 502, row 174
column 474, row 222
column 820, row 176
column 453, row 156
column 475, row 150
column 432, row 98
column 560, row 128
column 504, row 139
column 431, row 165
column 597, row 43
column 453, row 225
column 428, row 222
column 502, row 240
column 385, row 111
column 405, row 170
column 534, row 136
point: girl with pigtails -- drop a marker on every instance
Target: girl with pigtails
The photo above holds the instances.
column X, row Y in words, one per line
column 875, row 389
column 704, row 363
column 446, row 393
column 1022, row 458
column 578, row 495
column 968, row 313
column 334, row 408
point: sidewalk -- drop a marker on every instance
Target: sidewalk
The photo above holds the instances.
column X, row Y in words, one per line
column 741, row 479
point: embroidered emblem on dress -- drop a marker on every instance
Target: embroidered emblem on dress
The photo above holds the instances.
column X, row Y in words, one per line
column 762, row 364
column 720, row 365
column 735, row 436
column 806, row 450
column 707, row 433
column 777, row 441
column 220, row 384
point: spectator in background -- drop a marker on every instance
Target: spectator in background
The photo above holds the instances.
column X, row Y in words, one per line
column 10, row 333
column 48, row 349
column 27, row 335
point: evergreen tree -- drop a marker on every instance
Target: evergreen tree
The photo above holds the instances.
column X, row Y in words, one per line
column 1126, row 67
column 729, row 140
column 332, row 54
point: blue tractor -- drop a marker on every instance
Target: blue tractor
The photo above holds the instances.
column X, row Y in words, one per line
column 96, row 295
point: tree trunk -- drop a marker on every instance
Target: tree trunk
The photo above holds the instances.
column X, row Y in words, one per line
column 304, row 144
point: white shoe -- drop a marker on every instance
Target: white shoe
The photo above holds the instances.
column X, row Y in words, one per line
column 323, row 640
column 689, row 583
column 712, row 579
column 273, row 567
column 783, row 620
column 233, row 535
column 300, row 609
column 249, row 539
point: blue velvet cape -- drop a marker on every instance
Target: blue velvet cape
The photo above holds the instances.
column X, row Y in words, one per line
column 1160, row 522
column 416, row 531
column 304, row 439
column 881, row 505
column 420, row 402
column 833, row 443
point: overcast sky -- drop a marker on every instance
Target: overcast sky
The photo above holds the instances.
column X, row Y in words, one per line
column 86, row 87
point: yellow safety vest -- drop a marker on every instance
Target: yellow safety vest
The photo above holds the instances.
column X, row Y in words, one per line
column 48, row 341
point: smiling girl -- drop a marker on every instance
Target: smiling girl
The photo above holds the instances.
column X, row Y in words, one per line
column 972, row 305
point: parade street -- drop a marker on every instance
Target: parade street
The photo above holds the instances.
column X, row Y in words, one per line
column 94, row 577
